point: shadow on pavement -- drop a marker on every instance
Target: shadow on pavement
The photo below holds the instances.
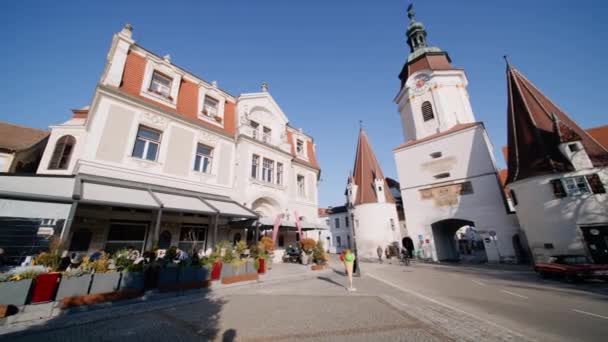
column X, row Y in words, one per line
column 194, row 316
column 331, row 281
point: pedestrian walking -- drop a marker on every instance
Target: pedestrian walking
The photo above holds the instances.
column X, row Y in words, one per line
column 379, row 251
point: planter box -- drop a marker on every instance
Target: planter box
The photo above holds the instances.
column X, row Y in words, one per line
column 216, row 270
column 317, row 267
column 192, row 274
column 151, row 277
column 45, row 287
column 105, row 282
column 227, row 270
column 250, row 267
column 132, row 280
column 239, row 278
column 167, row 278
column 73, row 286
column 15, row 292
column 262, row 266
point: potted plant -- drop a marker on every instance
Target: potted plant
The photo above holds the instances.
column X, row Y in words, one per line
column 268, row 245
column 258, row 255
column 319, row 256
column 228, row 259
column 192, row 274
column 218, row 118
column 105, row 279
column 75, row 282
column 213, row 263
column 45, row 285
column 307, row 247
column 15, row 287
column 168, row 272
column 131, row 268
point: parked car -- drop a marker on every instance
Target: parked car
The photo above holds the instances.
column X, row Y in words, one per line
column 571, row 268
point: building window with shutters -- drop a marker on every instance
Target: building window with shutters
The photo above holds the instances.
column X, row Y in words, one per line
column 202, row 159
column 62, row 153
column 337, row 222
column 147, row 144
column 595, row 183
column 255, row 165
column 576, row 186
column 427, row 111
column 346, row 223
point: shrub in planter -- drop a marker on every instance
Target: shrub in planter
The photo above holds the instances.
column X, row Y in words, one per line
column 133, row 277
column 73, row 283
column 45, row 287
column 192, row 274
column 319, row 256
column 49, row 260
column 250, row 266
column 238, row 267
column 15, row 287
column 167, row 276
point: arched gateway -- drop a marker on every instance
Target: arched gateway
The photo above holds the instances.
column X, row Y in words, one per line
column 458, row 240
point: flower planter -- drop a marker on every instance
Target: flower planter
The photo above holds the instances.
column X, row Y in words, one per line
column 15, row 292
column 317, row 267
column 105, row 282
column 216, row 270
column 45, row 287
column 227, row 270
column 305, row 259
column 167, row 278
column 250, row 267
column 73, row 286
column 98, row 298
column 132, row 280
column 238, row 269
column 261, row 265
column 192, row 274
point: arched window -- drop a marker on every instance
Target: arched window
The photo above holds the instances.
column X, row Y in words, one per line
column 427, row 111
column 62, row 153
column 81, row 239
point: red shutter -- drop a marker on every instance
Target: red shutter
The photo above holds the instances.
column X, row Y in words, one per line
column 597, row 187
column 558, row 188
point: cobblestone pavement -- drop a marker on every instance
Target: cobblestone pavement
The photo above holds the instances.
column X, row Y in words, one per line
column 317, row 308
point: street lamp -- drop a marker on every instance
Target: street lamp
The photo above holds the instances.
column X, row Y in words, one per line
column 356, row 270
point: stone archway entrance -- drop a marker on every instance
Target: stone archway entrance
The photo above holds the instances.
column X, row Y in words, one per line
column 457, row 240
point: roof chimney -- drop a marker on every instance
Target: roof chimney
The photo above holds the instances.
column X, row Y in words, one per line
column 167, row 58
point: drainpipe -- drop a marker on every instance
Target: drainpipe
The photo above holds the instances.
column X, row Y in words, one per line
column 67, row 227
column 159, row 216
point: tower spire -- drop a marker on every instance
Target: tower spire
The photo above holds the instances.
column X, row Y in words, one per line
column 416, row 33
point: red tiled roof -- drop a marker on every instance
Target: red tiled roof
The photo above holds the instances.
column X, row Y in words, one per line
column 456, row 128
column 536, row 127
column 600, row 134
column 366, row 170
column 427, row 61
column 187, row 100
column 18, row 138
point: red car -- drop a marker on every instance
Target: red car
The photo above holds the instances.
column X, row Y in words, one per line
column 571, row 268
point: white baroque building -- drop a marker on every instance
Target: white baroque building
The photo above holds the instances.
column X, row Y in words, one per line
column 339, row 236
column 446, row 167
column 162, row 157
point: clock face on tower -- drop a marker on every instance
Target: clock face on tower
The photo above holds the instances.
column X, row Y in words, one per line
column 420, row 83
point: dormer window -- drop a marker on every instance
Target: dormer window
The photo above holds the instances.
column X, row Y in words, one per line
column 161, row 84
column 254, row 129
column 574, row 147
column 210, row 106
column 300, row 147
column 427, row 111
column 267, row 134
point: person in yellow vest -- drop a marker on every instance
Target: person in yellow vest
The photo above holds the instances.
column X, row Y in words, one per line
column 349, row 261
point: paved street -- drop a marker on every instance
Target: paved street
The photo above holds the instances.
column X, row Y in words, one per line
column 512, row 297
column 392, row 303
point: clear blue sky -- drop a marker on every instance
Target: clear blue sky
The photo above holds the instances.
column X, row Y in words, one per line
column 329, row 63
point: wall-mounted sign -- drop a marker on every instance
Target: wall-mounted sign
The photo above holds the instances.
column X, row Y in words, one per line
column 45, row 231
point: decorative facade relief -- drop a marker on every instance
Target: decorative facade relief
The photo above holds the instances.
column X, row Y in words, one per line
column 154, row 120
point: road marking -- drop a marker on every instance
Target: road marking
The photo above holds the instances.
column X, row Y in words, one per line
column 478, row 282
column 514, row 294
column 589, row 313
column 419, row 295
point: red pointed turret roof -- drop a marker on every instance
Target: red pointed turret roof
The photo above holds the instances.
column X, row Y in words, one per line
column 536, row 127
column 366, row 170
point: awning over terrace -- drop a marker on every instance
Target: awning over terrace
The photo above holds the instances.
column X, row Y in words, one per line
column 268, row 223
